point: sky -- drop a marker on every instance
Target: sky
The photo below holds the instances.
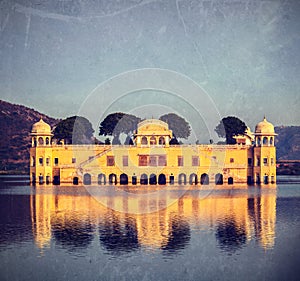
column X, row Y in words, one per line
column 244, row 55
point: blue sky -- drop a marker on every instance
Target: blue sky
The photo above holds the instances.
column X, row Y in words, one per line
column 244, row 54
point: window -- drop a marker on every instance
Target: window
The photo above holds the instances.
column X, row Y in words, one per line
column 249, row 161
column 265, row 161
column 162, row 160
column 41, row 161
column 231, row 160
column 41, row 141
column 144, row 141
column 143, row 160
column 153, row 161
column 73, row 160
column 258, row 161
column 180, row 161
column 55, row 161
column 272, row 161
column 195, row 160
column 47, row 161
column 47, row 141
column 110, row 161
column 125, row 161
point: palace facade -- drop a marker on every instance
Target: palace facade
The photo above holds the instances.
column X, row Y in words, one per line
column 152, row 160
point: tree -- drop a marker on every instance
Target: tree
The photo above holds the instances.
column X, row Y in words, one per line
column 179, row 126
column 230, row 126
column 74, row 130
column 116, row 123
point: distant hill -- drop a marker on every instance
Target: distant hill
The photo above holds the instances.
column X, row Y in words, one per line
column 16, row 122
column 288, row 142
column 15, row 125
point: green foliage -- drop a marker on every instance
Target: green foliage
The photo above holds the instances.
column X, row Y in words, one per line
column 116, row 123
column 230, row 126
column 74, row 130
column 107, row 141
column 179, row 126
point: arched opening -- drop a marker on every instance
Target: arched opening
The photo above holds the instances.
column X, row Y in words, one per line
column 112, row 178
column 41, row 179
column 182, row 179
column 34, row 142
column 75, row 180
column 272, row 179
column 144, row 179
column 257, row 178
column 41, row 141
column 258, row 141
column 204, row 180
column 134, row 180
column 193, row 179
column 152, row 179
column 123, row 179
column 230, row 180
column 144, row 141
column 162, row 179
column 266, row 179
column 152, row 140
column 87, row 179
column 161, row 141
column 271, row 140
column 172, row 179
column 218, row 179
column 48, row 179
column 101, row 179
column 265, row 141
column 47, row 141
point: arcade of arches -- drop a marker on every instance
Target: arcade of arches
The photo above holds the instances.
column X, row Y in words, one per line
column 153, row 179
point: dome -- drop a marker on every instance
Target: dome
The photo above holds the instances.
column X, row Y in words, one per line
column 264, row 127
column 41, row 127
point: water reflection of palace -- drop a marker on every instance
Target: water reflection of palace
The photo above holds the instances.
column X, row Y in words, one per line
column 75, row 221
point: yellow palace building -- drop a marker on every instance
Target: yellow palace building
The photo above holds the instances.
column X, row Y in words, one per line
column 152, row 160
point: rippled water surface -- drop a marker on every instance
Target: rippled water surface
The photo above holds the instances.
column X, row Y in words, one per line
column 56, row 233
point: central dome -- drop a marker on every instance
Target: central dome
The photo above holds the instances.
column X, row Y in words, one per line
column 41, row 127
column 264, row 127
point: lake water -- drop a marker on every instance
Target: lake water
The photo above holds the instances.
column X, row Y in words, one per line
column 142, row 234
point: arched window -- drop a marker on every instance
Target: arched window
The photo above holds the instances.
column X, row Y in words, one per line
column 182, row 179
column 193, row 179
column 162, row 179
column 101, row 179
column 204, row 179
column 271, row 141
column 265, row 141
column 34, row 142
column 144, row 179
column 153, row 179
column 152, row 140
column 41, row 179
column 48, row 178
column 41, row 141
column 144, row 141
column 75, row 180
column 230, row 180
column 123, row 179
column 112, row 178
column 219, row 179
column 87, row 179
column 258, row 141
column 47, row 141
column 161, row 141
